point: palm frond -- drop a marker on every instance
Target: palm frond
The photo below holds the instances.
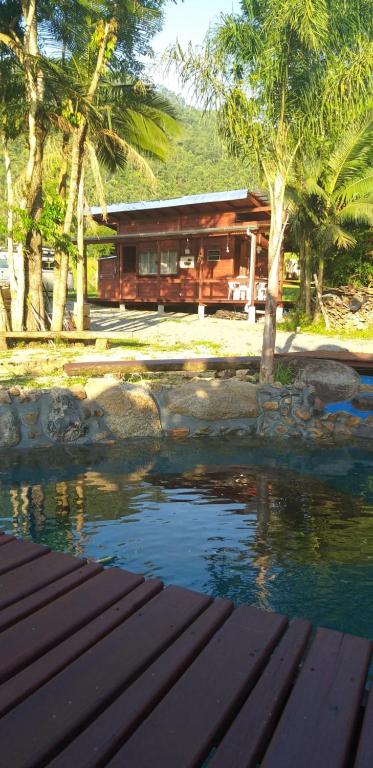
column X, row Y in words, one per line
column 357, row 212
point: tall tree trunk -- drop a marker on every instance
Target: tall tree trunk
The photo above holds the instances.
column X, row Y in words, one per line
column 33, row 197
column 62, row 258
column 35, row 312
column 80, row 271
column 276, row 235
column 308, row 276
column 16, row 271
column 302, row 276
column 320, row 279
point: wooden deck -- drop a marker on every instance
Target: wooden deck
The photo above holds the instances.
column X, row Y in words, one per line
column 103, row 668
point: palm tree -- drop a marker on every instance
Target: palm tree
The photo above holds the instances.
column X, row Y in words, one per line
column 333, row 195
column 134, row 123
column 279, row 74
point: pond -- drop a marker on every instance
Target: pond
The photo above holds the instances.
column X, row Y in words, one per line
column 282, row 526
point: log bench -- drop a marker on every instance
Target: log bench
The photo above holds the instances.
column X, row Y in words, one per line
column 100, row 339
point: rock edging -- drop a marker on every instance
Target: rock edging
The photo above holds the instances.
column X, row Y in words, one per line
column 106, row 410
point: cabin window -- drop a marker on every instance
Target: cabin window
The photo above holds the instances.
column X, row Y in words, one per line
column 169, row 263
column 213, row 254
column 148, row 263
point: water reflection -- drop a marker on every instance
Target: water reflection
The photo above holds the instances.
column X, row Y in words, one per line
column 288, row 531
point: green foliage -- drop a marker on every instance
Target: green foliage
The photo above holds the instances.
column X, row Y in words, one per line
column 285, row 373
column 196, row 163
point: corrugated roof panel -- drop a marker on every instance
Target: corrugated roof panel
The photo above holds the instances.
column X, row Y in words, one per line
column 148, row 205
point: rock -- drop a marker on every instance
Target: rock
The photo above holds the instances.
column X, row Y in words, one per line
column 30, row 418
column 271, row 405
column 15, row 391
column 129, row 410
column 32, row 435
column 64, row 423
column 363, row 402
column 228, row 374
column 333, row 381
column 102, row 436
column 303, row 414
column 78, row 391
column 4, row 397
column 212, row 400
column 10, row 433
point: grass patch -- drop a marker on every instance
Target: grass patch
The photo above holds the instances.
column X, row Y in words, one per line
column 300, row 323
column 285, row 373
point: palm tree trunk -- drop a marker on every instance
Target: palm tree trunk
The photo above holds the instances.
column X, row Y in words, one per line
column 307, row 275
column 80, row 271
column 276, row 235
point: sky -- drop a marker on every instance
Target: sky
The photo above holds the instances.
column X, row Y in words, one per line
column 186, row 21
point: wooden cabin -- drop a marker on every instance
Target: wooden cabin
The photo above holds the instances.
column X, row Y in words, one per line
column 197, row 250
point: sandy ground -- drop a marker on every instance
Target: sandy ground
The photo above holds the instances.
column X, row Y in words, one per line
column 236, row 337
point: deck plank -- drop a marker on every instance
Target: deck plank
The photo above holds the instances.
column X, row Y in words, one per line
column 35, row 730
column 319, row 719
column 181, row 730
column 36, row 634
column 100, row 740
column 364, row 756
column 41, row 598
column 245, row 742
column 5, row 538
column 16, row 553
column 31, row 577
column 26, row 682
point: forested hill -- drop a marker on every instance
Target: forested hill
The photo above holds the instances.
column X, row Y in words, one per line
column 197, row 163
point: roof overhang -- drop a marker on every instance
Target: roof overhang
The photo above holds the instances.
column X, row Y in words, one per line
column 235, row 229
column 235, row 200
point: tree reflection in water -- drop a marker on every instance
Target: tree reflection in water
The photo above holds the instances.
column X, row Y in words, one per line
column 287, row 531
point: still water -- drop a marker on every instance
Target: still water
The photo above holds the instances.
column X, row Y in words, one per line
column 279, row 526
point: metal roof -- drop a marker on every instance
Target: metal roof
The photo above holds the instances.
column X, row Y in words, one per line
column 149, row 205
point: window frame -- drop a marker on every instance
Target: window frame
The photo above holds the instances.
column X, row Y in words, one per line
column 213, row 250
column 167, row 254
column 148, row 254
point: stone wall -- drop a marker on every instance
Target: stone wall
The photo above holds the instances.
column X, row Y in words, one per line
column 106, row 410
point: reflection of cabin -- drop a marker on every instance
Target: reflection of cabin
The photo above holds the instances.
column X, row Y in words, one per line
column 201, row 249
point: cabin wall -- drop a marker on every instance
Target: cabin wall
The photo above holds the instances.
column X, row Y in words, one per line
column 209, row 277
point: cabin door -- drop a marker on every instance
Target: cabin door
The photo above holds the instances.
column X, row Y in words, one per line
column 128, row 272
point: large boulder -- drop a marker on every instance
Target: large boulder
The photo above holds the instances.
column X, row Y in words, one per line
column 129, row 411
column 10, row 433
column 64, row 422
column 333, row 382
column 214, row 399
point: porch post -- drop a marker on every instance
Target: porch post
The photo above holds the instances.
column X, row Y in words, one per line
column 85, row 276
column 251, row 288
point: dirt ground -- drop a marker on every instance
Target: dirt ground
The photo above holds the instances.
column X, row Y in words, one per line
column 211, row 335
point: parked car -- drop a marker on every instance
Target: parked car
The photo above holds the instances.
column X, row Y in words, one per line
column 47, row 271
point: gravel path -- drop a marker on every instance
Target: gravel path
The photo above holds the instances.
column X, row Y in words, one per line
column 235, row 337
